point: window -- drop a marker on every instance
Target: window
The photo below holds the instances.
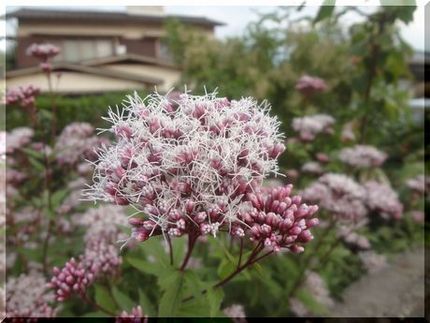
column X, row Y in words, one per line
column 75, row 50
column 164, row 52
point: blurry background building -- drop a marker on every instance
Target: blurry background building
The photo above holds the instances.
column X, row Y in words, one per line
column 100, row 51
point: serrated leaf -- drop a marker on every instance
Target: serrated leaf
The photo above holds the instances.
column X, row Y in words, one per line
column 121, row 299
column 104, row 299
column 146, row 267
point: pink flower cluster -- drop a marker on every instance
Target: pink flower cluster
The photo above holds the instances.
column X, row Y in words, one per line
column 28, row 296
column 348, row 200
column 312, row 167
column 309, row 85
column 340, row 195
column 135, row 316
column 17, row 138
column 43, row 51
column 73, row 278
column 362, row 156
column 418, row 184
column 195, row 164
column 77, row 142
column 24, row 96
column 383, row 199
column 309, row 127
column 277, row 220
column 100, row 255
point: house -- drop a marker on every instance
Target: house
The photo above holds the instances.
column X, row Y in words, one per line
column 100, row 51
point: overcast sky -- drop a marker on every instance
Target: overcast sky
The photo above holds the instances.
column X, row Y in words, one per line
column 237, row 17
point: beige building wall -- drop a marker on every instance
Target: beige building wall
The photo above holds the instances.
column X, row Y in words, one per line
column 126, row 31
column 170, row 76
column 76, row 83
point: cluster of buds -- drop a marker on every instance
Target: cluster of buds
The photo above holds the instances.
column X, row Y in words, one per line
column 24, row 96
column 309, row 127
column 73, row 278
column 362, row 156
column 135, row 316
column 383, row 199
column 309, row 85
column 28, row 296
column 43, row 52
column 340, row 195
column 76, row 142
column 277, row 219
column 101, row 256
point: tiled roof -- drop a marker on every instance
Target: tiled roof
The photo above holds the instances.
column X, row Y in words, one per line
column 106, row 16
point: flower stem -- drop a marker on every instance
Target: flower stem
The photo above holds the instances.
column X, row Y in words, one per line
column 192, row 237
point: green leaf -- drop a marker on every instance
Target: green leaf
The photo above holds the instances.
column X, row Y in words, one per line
column 104, row 299
column 145, row 266
column 325, row 11
column 197, row 307
column 38, row 166
column 146, row 304
column 121, row 299
column 172, row 297
column 58, row 197
column 215, row 297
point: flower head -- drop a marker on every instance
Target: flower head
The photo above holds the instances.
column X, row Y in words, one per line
column 28, row 296
column 383, row 199
column 24, row 96
column 43, row 51
column 76, row 142
column 418, row 184
column 340, row 195
column 309, row 127
column 309, row 85
column 17, row 138
column 362, row 156
column 195, row 164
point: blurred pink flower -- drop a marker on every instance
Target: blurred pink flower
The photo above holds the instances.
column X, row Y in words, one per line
column 134, row 316
column 383, row 199
column 309, row 127
column 24, row 96
column 362, row 156
column 340, row 195
column 309, row 85
column 43, row 51
column 76, row 143
column 28, row 296
column 418, row 184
